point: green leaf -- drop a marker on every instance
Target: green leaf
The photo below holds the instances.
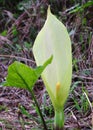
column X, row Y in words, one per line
column 4, row 33
column 14, row 31
column 22, row 76
column 53, row 39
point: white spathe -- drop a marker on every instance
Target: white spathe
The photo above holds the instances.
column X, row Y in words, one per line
column 53, row 39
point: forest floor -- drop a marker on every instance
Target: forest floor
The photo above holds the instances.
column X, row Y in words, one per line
column 18, row 29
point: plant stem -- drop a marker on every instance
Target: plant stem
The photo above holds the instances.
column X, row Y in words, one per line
column 59, row 120
column 43, row 121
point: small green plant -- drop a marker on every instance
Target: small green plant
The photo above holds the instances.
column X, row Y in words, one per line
column 22, row 76
column 53, row 40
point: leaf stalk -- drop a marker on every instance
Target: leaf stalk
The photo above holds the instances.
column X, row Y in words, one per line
column 37, row 105
column 59, row 120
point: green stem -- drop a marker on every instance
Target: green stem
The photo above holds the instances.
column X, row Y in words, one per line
column 59, row 120
column 43, row 121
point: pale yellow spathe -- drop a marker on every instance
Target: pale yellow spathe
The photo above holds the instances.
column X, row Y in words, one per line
column 53, row 39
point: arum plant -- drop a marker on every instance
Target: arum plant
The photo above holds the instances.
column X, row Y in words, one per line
column 53, row 39
column 23, row 76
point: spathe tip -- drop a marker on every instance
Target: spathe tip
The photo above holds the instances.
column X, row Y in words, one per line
column 48, row 10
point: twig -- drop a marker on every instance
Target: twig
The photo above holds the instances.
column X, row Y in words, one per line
column 17, row 57
column 83, row 77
